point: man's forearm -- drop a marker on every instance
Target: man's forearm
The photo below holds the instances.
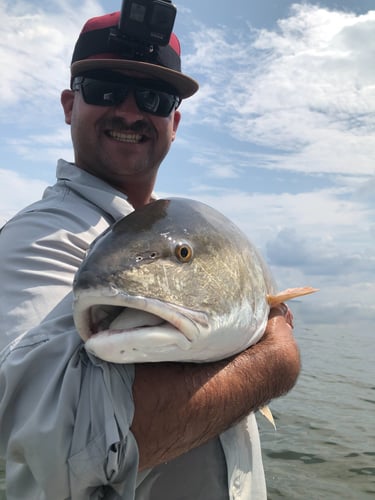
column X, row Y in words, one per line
column 179, row 406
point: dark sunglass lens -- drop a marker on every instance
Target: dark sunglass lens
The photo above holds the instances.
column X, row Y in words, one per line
column 148, row 100
column 110, row 93
column 103, row 93
column 155, row 102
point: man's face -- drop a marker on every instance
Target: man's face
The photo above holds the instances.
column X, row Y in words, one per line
column 121, row 144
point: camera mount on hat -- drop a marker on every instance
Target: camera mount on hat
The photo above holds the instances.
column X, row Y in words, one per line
column 143, row 26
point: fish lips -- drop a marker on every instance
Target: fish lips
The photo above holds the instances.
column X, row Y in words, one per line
column 160, row 326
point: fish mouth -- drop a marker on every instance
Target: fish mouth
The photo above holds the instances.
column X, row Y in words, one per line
column 106, row 313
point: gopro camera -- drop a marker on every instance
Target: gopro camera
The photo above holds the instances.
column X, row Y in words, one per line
column 143, row 24
column 150, row 21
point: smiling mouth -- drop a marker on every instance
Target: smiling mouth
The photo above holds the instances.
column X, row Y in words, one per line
column 127, row 137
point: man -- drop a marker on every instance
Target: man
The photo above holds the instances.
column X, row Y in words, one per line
column 73, row 426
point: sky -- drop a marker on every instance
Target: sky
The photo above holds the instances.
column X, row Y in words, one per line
column 280, row 137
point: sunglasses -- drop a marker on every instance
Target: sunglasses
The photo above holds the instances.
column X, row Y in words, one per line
column 150, row 96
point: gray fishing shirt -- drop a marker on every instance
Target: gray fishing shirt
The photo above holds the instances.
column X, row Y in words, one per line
column 65, row 416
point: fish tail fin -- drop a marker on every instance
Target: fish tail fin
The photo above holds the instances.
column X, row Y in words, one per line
column 289, row 293
column 266, row 412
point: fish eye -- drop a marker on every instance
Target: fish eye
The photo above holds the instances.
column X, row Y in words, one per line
column 183, row 252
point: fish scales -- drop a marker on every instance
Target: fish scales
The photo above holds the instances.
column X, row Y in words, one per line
column 173, row 281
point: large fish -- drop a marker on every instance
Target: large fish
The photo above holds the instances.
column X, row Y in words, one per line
column 173, row 281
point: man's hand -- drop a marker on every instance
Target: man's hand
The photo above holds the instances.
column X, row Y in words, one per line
column 282, row 310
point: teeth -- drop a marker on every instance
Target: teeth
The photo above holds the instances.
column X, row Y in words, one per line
column 132, row 138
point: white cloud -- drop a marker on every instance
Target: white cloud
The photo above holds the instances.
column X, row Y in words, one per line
column 57, row 144
column 306, row 88
column 319, row 214
column 17, row 191
column 319, row 257
column 36, row 48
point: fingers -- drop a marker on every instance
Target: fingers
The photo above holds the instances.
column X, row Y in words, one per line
column 282, row 310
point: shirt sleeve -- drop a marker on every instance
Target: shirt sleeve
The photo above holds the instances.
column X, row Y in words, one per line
column 40, row 252
column 65, row 420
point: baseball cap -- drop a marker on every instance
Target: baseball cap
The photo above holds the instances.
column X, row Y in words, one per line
column 93, row 51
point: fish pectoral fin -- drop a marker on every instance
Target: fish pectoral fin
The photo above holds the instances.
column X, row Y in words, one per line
column 266, row 412
column 290, row 293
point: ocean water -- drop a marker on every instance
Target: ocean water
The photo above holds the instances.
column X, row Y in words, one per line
column 324, row 444
column 2, row 481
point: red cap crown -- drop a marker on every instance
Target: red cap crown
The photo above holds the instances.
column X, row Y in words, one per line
column 94, row 50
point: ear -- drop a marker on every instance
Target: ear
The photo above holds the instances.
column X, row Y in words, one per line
column 67, row 99
column 176, row 121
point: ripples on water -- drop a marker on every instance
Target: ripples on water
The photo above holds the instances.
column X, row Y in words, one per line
column 324, row 445
column 2, row 483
